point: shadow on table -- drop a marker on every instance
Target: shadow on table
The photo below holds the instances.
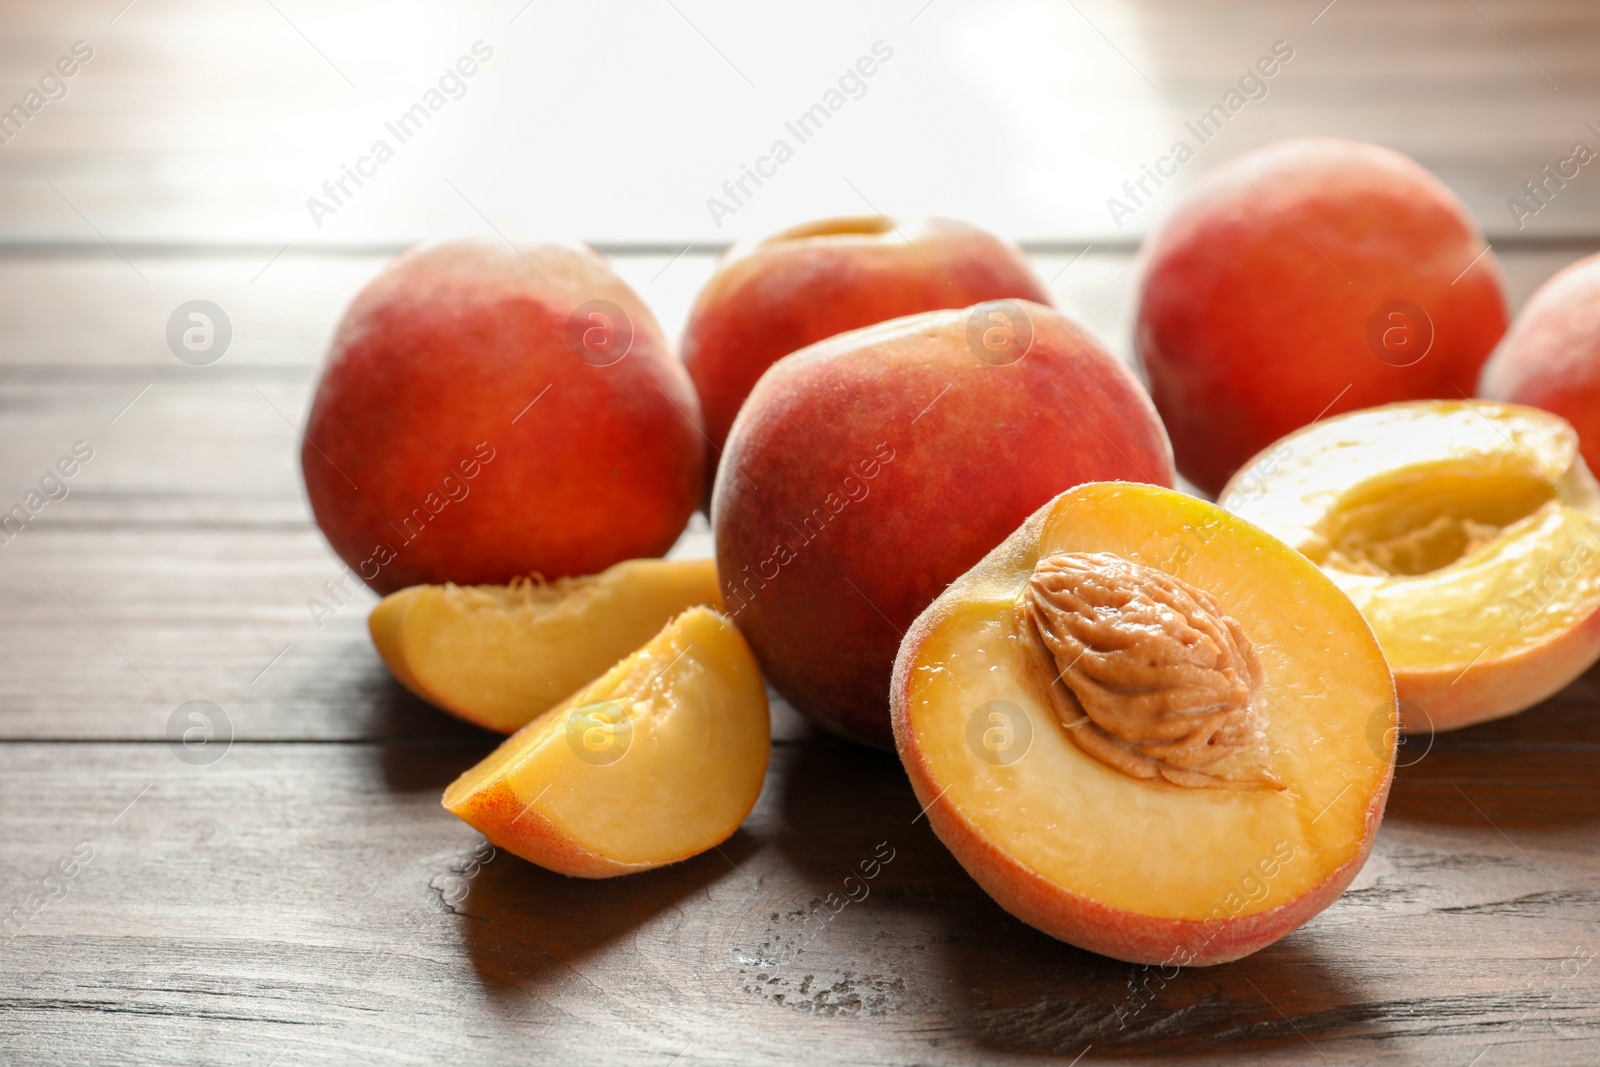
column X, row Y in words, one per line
column 1031, row 994
column 927, row 940
column 924, row 943
column 1533, row 770
column 529, row 930
column 424, row 749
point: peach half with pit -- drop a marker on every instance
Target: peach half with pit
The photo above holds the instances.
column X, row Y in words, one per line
column 501, row 655
column 659, row 759
column 1467, row 534
column 1148, row 728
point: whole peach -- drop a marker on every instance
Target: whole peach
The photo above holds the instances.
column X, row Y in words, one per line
column 1304, row 279
column 487, row 412
column 779, row 294
column 870, row 470
column 1551, row 358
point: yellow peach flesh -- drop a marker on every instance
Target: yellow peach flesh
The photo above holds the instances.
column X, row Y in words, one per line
column 1465, row 532
column 500, row 655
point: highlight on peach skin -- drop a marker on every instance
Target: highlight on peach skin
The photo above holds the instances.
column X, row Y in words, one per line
column 778, row 294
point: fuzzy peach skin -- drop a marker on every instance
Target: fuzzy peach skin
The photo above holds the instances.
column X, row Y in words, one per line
column 527, row 832
column 1551, row 358
column 781, row 293
column 1115, row 932
column 1439, row 700
column 1260, row 291
column 1162, row 875
column 469, row 428
column 867, row 472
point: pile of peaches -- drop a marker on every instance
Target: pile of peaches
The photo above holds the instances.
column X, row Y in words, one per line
column 946, row 521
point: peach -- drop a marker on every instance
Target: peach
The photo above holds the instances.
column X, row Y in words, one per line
column 1551, row 358
column 487, row 413
column 1148, row 728
column 657, row 760
column 501, row 655
column 779, row 294
column 1466, row 533
column 1309, row 277
column 870, row 470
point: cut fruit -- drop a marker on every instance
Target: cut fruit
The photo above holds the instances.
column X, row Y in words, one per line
column 500, row 655
column 1242, row 722
column 658, row 760
column 1466, row 533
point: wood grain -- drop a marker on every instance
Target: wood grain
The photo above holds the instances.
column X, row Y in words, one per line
column 304, row 898
column 314, row 901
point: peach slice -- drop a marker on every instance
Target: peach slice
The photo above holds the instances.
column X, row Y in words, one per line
column 500, row 655
column 1148, row 728
column 659, row 759
column 1464, row 531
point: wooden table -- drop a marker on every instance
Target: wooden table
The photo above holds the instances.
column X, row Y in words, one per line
column 296, row 894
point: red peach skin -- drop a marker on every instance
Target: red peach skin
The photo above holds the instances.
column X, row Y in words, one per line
column 1259, row 292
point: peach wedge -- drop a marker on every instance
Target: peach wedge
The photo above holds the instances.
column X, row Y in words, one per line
column 1147, row 728
column 1466, row 533
column 500, row 655
column 657, row 760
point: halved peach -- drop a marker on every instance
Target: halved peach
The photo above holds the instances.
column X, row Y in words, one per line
column 500, row 655
column 659, row 759
column 1466, row 533
column 1148, row 728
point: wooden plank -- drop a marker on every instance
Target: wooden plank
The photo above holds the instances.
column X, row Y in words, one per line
column 313, row 902
column 68, row 312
